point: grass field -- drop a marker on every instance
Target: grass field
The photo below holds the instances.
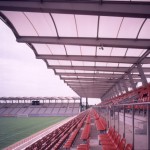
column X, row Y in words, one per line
column 15, row 129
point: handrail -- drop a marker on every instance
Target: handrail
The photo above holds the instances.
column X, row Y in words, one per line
column 141, row 103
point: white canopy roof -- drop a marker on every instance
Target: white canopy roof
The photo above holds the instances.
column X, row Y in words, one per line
column 99, row 48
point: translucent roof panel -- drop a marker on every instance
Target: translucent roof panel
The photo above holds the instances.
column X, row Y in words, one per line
column 59, row 70
column 105, row 52
column 86, row 25
column 135, row 52
column 65, row 24
column 118, row 72
column 73, row 50
column 22, row 25
column 77, row 63
column 88, row 63
column 82, row 32
column 69, row 71
column 109, row 26
column 101, row 64
column 42, row 49
column 88, row 50
column 145, row 30
column 112, row 64
column 57, row 49
column 148, row 55
column 130, row 27
column 53, row 62
column 45, row 27
column 124, row 65
column 82, row 71
column 69, row 76
column 66, row 63
column 118, row 51
column 146, row 65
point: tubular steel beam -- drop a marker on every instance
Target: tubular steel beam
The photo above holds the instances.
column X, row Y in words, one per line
column 125, row 9
column 89, row 88
column 90, row 68
column 125, row 85
column 132, row 81
column 113, row 59
column 89, row 79
column 142, row 75
column 95, row 68
column 120, row 88
column 96, row 75
column 133, row 69
column 90, row 82
column 106, row 42
column 90, row 74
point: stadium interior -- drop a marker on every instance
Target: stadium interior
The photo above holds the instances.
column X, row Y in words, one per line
column 100, row 49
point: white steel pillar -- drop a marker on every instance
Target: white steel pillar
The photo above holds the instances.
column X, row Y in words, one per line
column 125, row 86
column 142, row 75
column 133, row 85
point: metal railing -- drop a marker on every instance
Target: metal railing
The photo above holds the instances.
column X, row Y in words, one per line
column 115, row 112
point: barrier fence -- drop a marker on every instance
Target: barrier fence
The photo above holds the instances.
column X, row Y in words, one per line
column 132, row 120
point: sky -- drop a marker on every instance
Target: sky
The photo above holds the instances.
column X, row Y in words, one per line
column 21, row 74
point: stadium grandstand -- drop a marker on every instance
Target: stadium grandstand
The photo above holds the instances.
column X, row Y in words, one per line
column 100, row 49
column 39, row 106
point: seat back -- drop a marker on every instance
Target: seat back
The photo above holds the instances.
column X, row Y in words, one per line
column 110, row 131
column 114, row 137
column 117, row 140
column 122, row 144
column 128, row 147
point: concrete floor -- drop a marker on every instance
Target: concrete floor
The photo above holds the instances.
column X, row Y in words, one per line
column 140, row 134
column 94, row 145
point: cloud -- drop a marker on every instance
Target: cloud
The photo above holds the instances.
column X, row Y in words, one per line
column 23, row 75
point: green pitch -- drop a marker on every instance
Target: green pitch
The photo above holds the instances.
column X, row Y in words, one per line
column 15, row 129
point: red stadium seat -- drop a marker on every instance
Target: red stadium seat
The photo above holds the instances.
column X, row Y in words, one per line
column 128, row 147
column 121, row 145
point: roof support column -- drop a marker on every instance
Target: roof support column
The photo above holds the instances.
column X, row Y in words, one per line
column 116, row 91
column 86, row 103
column 133, row 85
column 111, row 94
column 142, row 75
column 125, row 85
column 80, row 104
column 120, row 88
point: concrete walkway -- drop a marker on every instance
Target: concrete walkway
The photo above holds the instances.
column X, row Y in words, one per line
column 94, row 145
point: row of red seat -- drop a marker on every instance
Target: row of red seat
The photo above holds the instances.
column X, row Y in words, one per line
column 141, row 94
column 84, row 146
column 72, row 137
column 88, row 119
column 100, row 122
column 100, row 125
column 56, row 138
column 86, row 130
column 112, row 141
column 85, row 134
